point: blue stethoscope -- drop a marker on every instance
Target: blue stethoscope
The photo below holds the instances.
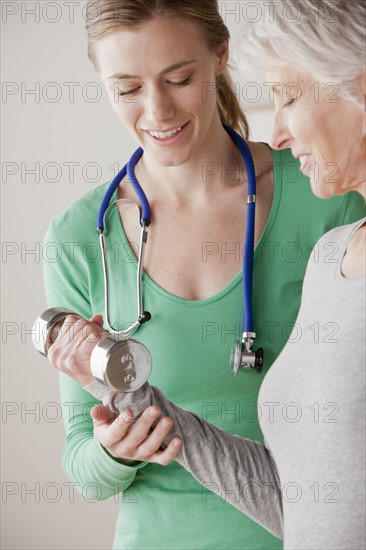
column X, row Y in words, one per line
column 242, row 354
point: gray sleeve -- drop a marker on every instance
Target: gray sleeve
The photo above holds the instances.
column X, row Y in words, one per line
column 238, row 470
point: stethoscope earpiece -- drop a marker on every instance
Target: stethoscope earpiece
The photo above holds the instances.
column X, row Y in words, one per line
column 145, row 317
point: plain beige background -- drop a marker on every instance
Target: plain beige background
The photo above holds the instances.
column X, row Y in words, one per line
column 60, row 138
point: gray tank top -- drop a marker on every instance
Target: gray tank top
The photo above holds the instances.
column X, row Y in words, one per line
column 312, row 406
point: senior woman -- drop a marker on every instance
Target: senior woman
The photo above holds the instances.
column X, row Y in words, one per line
column 307, row 484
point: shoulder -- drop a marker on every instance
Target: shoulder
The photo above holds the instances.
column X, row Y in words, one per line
column 328, row 252
column 340, row 235
column 78, row 221
column 262, row 157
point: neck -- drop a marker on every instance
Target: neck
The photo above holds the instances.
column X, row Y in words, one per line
column 354, row 177
column 216, row 164
column 359, row 186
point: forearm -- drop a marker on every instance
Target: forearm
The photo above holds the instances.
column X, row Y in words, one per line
column 93, row 471
column 237, row 469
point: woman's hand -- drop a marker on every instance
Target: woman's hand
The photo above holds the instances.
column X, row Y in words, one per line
column 138, row 441
column 73, row 346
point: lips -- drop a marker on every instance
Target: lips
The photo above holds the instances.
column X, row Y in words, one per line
column 303, row 161
column 165, row 135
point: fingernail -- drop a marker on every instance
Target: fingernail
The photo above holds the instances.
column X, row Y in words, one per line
column 177, row 442
column 153, row 412
column 166, row 423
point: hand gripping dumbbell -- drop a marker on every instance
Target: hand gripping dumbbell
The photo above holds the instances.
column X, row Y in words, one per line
column 117, row 361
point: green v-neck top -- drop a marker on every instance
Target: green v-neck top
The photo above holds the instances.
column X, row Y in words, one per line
column 190, row 343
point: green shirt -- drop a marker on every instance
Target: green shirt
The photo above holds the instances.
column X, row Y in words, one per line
column 190, row 343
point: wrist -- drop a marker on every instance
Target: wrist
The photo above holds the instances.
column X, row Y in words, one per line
column 85, row 379
column 125, row 461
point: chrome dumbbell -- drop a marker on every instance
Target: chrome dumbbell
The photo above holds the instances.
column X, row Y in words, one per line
column 122, row 363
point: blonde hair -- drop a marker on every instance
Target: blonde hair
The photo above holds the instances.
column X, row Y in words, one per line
column 105, row 17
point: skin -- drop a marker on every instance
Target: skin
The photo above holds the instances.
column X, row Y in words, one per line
column 328, row 134
column 119, row 434
column 155, row 101
column 183, row 196
column 158, row 97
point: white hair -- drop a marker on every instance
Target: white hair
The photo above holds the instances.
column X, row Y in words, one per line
column 323, row 38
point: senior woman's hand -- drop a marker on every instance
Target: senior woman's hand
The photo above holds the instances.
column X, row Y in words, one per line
column 73, row 346
column 119, row 434
column 135, row 441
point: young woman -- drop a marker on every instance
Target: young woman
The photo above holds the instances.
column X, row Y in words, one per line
column 160, row 61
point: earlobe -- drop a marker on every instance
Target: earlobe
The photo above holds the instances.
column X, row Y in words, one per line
column 222, row 56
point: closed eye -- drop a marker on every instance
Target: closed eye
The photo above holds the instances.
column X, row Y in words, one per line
column 130, row 92
column 182, row 83
column 179, row 84
column 289, row 102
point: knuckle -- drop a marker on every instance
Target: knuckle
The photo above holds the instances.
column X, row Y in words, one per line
column 92, row 337
column 52, row 353
column 149, row 449
column 164, row 460
column 165, row 424
column 107, row 441
column 72, row 319
column 151, row 413
column 53, row 357
column 125, row 417
column 68, row 361
column 129, row 451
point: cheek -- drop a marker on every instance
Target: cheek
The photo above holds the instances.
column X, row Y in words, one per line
column 126, row 108
column 301, row 125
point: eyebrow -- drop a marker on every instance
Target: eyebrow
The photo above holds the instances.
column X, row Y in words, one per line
column 122, row 76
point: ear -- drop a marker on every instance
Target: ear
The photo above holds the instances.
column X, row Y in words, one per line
column 222, row 57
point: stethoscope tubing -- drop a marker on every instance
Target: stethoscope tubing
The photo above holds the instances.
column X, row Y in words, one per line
column 128, row 169
column 248, row 255
column 145, row 206
column 145, row 218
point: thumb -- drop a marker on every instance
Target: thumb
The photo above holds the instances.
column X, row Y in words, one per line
column 102, row 415
column 97, row 319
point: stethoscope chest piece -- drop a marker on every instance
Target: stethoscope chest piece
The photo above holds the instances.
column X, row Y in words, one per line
column 123, row 364
column 243, row 357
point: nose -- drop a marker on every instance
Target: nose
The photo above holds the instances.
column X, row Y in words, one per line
column 159, row 106
column 281, row 136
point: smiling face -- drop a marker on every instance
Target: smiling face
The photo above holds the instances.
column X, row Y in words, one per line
column 324, row 131
column 161, row 79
